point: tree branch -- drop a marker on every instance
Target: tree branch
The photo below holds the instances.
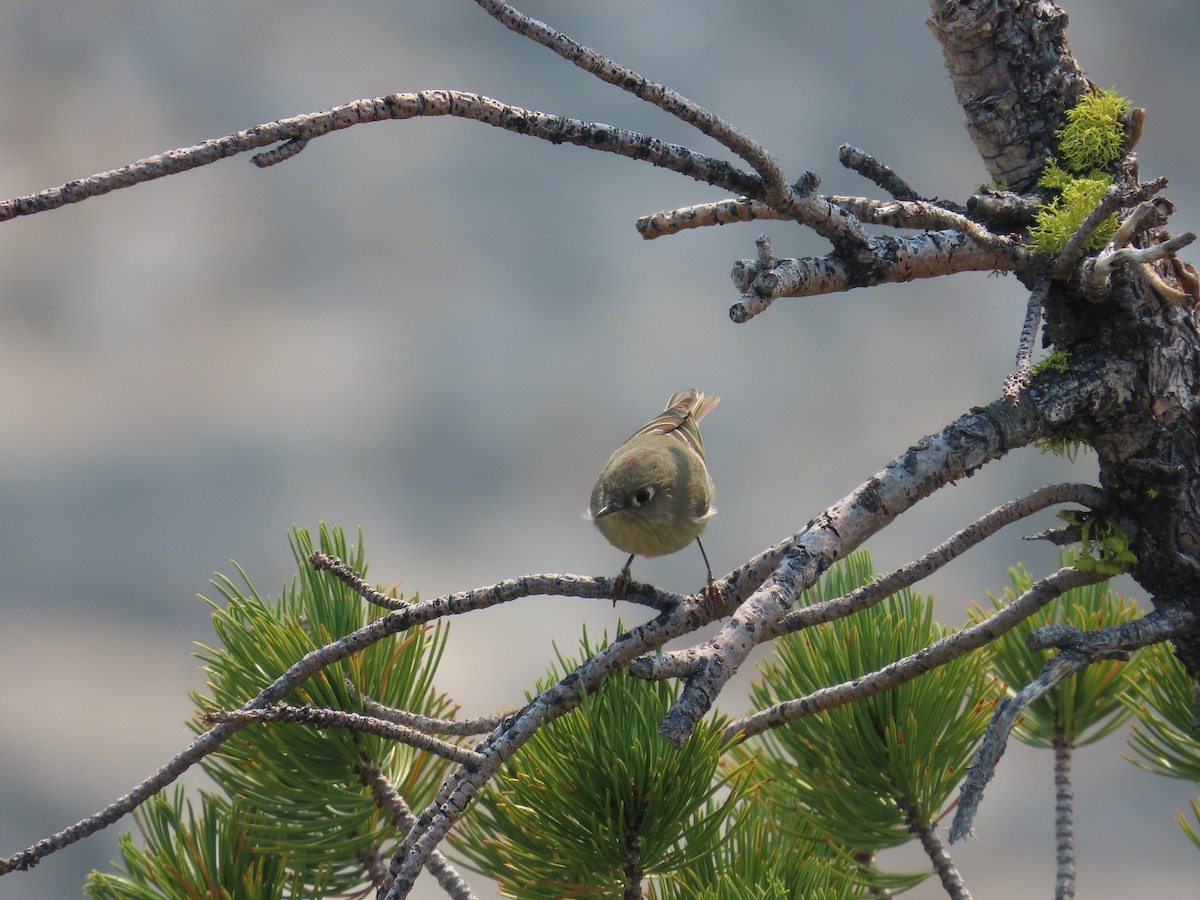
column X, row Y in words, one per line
column 925, row 255
column 1064, row 818
column 297, row 131
column 1082, row 649
column 939, row 653
column 339, row 718
column 933, row 462
column 390, row 800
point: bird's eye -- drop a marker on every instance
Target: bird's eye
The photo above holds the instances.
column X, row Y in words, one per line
column 643, row 496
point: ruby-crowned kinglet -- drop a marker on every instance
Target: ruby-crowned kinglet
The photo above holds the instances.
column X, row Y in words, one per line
column 654, row 495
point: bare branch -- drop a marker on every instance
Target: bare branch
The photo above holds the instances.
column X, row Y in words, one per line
column 943, row 865
column 297, row 131
column 903, row 670
column 722, row 212
column 926, row 255
column 1114, row 198
column 1082, row 649
column 1064, row 818
column 936, row 460
column 978, row 531
column 390, row 800
column 777, row 191
column 1016, row 382
column 880, row 173
column 504, row 591
column 430, row 725
column 1096, row 272
column 681, row 663
column 339, row 718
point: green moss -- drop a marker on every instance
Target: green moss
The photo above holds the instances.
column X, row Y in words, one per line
column 1055, row 361
column 1094, row 134
column 1055, row 222
column 1104, row 545
column 1090, row 141
column 1065, row 446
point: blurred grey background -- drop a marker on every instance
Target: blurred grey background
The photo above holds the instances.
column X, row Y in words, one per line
column 439, row 331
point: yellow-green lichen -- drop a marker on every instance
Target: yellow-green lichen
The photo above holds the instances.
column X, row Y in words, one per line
column 1055, row 361
column 1092, row 139
column 1105, row 546
column 1094, row 134
column 1066, row 446
column 1055, row 222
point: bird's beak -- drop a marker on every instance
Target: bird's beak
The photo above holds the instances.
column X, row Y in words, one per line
column 606, row 509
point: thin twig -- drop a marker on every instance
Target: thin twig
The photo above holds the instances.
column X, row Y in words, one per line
column 1082, row 649
column 1015, row 383
column 1114, row 198
column 1064, row 818
column 295, row 132
column 939, row 653
column 320, row 717
column 872, row 169
column 664, row 98
column 550, row 585
column 430, row 725
column 827, row 219
column 909, row 574
column 943, row 865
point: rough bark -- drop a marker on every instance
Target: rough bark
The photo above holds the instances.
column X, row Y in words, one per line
column 1014, row 76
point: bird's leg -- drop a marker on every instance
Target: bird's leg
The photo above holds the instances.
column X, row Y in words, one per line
column 621, row 585
column 711, row 595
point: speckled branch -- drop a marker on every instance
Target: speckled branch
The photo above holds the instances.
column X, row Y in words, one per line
column 319, row 717
column 390, row 800
column 927, row 255
column 939, row 653
column 297, row 131
column 1082, row 648
column 936, row 460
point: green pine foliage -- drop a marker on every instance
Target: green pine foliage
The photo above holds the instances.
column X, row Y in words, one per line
column 1087, row 706
column 1164, row 737
column 854, row 770
column 303, row 784
column 293, row 812
column 760, row 859
column 185, row 856
column 597, row 798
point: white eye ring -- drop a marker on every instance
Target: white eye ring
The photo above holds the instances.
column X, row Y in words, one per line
column 642, row 497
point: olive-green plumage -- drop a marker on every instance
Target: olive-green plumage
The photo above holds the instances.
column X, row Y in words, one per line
column 654, row 495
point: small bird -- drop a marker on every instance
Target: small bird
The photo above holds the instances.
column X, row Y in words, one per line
column 654, row 495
